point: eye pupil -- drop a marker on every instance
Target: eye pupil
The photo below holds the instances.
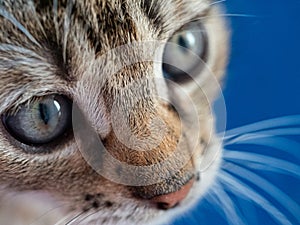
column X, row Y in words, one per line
column 187, row 41
column 183, row 42
column 44, row 113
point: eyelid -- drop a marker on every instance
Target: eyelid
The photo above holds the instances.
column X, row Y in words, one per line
column 12, row 105
column 196, row 19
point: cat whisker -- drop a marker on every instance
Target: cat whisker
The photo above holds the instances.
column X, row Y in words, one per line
column 75, row 218
column 291, row 120
column 63, row 220
column 241, row 189
column 87, row 216
column 226, row 15
column 278, row 165
column 17, row 24
column 217, row 2
column 279, row 143
column 232, row 15
column 39, row 219
column 261, row 134
column 222, row 199
column 269, row 189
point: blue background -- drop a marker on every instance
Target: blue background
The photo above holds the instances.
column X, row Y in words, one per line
column 263, row 82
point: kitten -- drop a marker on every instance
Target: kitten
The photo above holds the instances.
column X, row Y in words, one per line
column 106, row 106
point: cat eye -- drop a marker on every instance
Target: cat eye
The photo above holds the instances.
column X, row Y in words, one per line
column 41, row 121
column 185, row 53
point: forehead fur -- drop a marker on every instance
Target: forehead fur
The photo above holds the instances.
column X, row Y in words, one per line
column 45, row 45
column 45, row 21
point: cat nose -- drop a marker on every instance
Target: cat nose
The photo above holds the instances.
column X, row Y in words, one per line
column 171, row 200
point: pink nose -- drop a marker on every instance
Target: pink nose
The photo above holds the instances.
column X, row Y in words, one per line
column 171, row 200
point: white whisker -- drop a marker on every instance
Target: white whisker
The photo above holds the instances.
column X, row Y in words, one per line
column 263, row 134
column 284, row 121
column 16, row 23
column 79, row 220
column 268, row 188
column 75, row 218
column 217, row 2
column 64, row 220
column 228, row 15
column 213, row 200
column 237, row 187
column 280, row 165
column 281, row 132
column 226, row 204
column 279, row 143
column 53, row 210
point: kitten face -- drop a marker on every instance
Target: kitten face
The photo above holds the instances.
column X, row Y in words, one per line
column 101, row 64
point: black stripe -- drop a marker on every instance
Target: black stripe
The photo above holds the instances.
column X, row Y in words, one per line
column 152, row 10
column 41, row 5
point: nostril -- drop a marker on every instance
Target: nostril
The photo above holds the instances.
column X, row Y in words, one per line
column 165, row 202
column 165, row 206
column 162, row 205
